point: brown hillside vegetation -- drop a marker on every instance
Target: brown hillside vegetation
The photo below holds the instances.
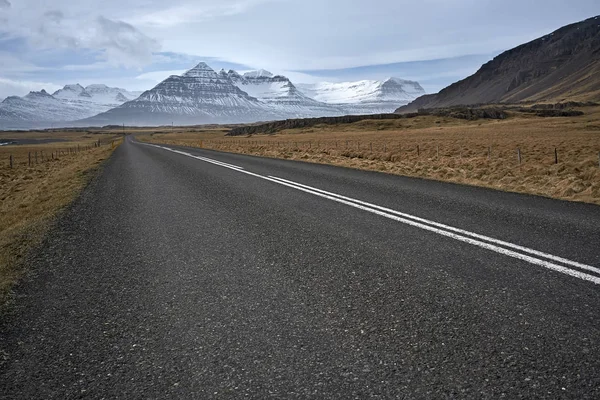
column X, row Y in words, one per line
column 564, row 65
column 482, row 152
column 276, row 126
column 32, row 194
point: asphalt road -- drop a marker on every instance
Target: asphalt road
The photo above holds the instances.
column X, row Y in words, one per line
column 186, row 273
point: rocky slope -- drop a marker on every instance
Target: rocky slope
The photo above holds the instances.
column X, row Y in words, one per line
column 561, row 66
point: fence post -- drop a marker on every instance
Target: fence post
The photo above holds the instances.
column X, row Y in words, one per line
column 489, row 152
column 418, row 151
column 437, row 151
column 36, row 157
column 29, row 157
column 519, row 154
column 555, row 156
column 385, row 147
column 11, row 161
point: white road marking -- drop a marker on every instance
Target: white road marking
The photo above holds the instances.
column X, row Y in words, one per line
column 422, row 223
column 453, row 229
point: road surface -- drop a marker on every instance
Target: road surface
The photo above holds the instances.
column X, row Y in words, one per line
column 187, row 273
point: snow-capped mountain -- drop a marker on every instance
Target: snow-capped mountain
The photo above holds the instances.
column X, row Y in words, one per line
column 200, row 95
column 70, row 103
column 37, row 107
column 371, row 95
column 280, row 93
column 95, row 94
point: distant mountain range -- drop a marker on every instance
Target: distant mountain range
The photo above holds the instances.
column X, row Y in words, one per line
column 202, row 95
column 73, row 102
column 561, row 66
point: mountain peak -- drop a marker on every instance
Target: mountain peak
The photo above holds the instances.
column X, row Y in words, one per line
column 42, row 93
column 397, row 80
column 121, row 98
column 73, row 90
column 402, row 84
column 200, row 70
column 261, row 73
column 73, row 87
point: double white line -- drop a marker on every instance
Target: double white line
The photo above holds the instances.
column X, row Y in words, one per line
column 555, row 263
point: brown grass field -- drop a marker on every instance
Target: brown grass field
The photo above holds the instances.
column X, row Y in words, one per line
column 31, row 195
column 482, row 152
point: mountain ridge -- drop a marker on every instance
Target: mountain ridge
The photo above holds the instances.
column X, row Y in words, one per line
column 563, row 65
column 72, row 102
column 202, row 95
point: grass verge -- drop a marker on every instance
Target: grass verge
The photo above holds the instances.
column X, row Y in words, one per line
column 482, row 153
column 31, row 195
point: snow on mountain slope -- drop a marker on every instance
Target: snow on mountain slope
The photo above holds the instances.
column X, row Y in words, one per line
column 104, row 94
column 280, row 93
column 72, row 92
column 261, row 73
column 365, row 94
column 70, row 103
column 98, row 98
column 200, row 95
column 37, row 107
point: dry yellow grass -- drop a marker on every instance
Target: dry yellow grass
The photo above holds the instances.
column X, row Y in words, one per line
column 30, row 196
column 444, row 149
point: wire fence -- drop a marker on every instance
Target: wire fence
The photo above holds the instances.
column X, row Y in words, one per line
column 36, row 157
column 399, row 151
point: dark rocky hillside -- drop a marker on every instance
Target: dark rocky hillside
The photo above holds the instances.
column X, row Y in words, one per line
column 561, row 66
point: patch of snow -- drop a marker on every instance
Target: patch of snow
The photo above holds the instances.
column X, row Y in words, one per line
column 261, row 73
column 365, row 91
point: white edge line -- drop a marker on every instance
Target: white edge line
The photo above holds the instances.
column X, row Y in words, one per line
column 488, row 246
column 450, row 228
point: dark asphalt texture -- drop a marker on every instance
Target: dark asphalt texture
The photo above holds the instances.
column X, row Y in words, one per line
column 171, row 277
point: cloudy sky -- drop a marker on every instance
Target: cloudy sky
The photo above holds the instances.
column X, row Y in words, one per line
column 136, row 43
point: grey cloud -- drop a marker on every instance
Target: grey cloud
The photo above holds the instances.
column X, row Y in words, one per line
column 4, row 4
column 119, row 43
column 54, row 15
column 124, row 43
